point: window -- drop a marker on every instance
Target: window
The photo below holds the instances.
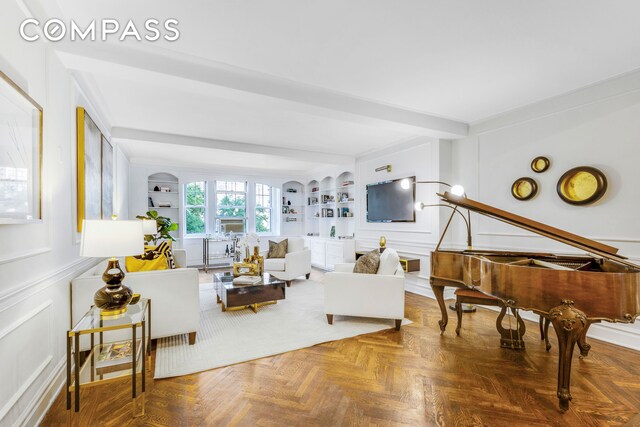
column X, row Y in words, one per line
column 231, row 201
column 263, row 208
column 195, row 207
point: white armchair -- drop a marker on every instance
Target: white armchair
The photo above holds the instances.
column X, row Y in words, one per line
column 296, row 263
column 365, row 295
column 174, row 294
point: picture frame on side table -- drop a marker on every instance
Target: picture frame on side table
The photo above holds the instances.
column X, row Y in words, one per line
column 20, row 155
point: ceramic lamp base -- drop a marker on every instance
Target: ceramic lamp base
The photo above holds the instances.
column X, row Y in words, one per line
column 114, row 297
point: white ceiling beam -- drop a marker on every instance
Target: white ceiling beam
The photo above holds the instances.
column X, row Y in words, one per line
column 126, row 62
column 120, row 133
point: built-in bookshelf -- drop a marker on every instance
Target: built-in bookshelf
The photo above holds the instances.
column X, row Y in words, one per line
column 330, row 206
column 293, row 209
column 163, row 196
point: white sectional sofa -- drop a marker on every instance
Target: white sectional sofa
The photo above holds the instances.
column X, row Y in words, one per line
column 174, row 294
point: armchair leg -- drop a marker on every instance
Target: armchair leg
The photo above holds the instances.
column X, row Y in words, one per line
column 288, row 283
column 330, row 319
column 192, row 338
column 398, row 324
column 308, row 275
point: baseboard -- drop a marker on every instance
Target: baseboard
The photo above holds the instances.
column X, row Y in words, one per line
column 46, row 395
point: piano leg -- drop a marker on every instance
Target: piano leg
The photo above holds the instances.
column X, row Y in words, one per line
column 569, row 324
column 438, row 291
column 582, row 343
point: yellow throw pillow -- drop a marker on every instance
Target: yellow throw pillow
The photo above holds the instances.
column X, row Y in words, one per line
column 163, row 248
column 138, row 264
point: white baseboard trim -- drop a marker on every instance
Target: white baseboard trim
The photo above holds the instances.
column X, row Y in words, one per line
column 46, row 395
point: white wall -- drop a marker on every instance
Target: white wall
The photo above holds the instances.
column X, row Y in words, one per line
column 37, row 261
column 595, row 126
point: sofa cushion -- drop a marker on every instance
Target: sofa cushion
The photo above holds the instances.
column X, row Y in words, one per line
column 368, row 263
column 274, row 264
column 389, row 261
column 278, row 250
column 142, row 263
column 164, row 248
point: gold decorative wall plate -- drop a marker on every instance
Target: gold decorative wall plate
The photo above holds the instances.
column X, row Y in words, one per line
column 582, row 185
column 524, row 188
column 540, row 164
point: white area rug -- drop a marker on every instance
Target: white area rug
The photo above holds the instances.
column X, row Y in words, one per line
column 238, row 336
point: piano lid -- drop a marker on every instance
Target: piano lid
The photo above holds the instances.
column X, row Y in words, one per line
column 597, row 248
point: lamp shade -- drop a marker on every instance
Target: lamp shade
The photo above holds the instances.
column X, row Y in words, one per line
column 108, row 238
column 149, row 226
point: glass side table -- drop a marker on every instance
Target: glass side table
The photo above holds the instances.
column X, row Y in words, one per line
column 109, row 361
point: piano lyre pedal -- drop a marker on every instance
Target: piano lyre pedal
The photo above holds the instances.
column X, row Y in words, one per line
column 571, row 291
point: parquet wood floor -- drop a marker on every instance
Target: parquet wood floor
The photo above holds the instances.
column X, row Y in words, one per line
column 414, row 377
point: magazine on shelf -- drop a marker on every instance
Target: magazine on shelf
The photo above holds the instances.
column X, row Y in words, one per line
column 116, row 356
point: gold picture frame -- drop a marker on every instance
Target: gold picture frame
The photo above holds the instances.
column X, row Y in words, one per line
column 245, row 269
column 94, row 171
column 21, row 142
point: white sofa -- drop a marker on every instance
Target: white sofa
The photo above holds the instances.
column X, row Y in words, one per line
column 296, row 263
column 174, row 294
column 365, row 295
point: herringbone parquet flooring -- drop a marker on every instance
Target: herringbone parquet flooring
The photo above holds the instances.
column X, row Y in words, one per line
column 414, row 377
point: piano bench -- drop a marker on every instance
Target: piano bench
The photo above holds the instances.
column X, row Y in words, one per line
column 510, row 338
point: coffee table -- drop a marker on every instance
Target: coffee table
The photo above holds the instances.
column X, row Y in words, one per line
column 237, row 297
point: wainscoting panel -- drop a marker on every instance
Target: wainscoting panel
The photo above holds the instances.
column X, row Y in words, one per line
column 34, row 317
column 26, row 349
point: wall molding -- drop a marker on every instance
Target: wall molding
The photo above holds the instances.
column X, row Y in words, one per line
column 45, row 396
column 537, row 236
column 36, row 373
column 25, row 254
column 25, row 290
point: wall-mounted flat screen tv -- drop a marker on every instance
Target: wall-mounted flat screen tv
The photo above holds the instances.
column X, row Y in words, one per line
column 387, row 201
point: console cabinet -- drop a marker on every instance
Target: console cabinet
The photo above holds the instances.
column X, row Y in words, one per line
column 326, row 253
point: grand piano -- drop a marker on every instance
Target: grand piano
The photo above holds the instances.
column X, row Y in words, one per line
column 572, row 292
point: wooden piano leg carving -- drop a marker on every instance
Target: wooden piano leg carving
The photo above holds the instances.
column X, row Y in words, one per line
column 438, row 291
column 569, row 324
column 582, row 343
column 459, row 314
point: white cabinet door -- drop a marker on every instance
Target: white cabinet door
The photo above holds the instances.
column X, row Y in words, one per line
column 317, row 254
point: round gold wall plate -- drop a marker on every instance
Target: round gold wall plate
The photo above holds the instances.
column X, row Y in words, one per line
column 540, row 164
column 524, row 188
column 582, row 185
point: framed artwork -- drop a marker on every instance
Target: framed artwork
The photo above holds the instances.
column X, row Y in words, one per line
column 95, row 170
column 107, row 179
column 20, row 155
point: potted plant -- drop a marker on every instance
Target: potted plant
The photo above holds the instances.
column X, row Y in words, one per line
column 165, row 226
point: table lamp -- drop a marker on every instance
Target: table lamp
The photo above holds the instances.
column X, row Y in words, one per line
column 109, row 238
